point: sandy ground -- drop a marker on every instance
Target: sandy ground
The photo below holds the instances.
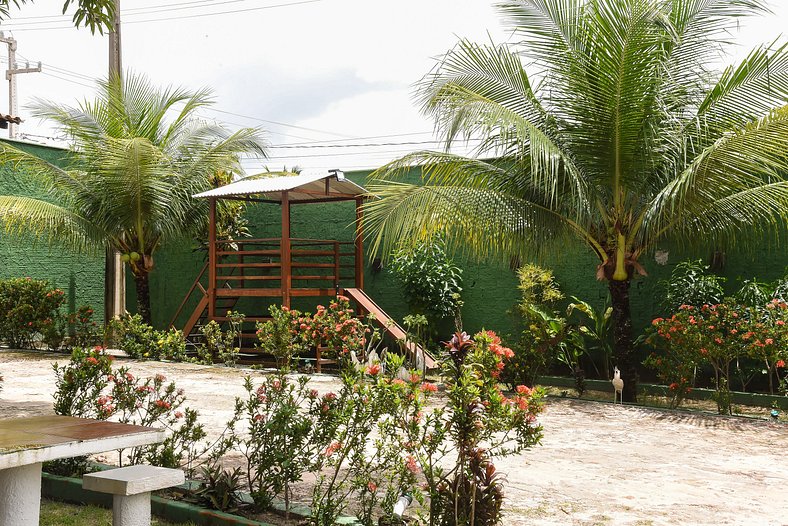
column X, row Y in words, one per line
column 598, row 464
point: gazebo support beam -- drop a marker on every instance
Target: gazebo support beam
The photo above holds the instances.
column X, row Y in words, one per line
column 287, row 277
column 212, row 258
column 359, row 239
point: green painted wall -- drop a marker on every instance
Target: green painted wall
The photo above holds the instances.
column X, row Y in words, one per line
column 81, row 276
column 490, row 290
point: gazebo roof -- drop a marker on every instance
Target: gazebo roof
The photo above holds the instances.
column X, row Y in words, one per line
column 309, row 185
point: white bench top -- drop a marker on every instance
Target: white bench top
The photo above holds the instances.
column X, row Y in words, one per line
column 132, row 480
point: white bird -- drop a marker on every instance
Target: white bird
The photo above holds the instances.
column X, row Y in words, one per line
column 618, row 385
column 372, row 358
column 356, row 363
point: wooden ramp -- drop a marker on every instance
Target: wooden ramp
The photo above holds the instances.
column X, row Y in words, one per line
column 387, row 324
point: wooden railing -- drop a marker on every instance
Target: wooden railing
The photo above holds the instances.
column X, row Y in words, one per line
column 257, row 263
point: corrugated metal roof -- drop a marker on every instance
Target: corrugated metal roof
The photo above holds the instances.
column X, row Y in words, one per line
column 309, row 184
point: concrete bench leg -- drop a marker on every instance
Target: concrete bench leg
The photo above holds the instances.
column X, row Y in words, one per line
column 131, row 510
column 20, row 495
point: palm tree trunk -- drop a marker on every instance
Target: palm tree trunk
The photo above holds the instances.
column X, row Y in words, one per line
column 143, row 296
column 623, row 345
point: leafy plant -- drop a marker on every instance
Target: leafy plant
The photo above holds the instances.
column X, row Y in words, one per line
column 25, row 306
column 141, row 341
column 284, row 336
column 222, row 345
column 542, row 330
column 431, row 281
column 691, row 283
column 598, row 334
column 220, row 489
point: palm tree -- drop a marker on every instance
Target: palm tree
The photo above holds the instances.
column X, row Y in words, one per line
column 131, row 173
column 603, row 124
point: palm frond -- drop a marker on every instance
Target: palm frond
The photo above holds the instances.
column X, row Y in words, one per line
column 750, row 162
column 477, row 222
column 27, row 216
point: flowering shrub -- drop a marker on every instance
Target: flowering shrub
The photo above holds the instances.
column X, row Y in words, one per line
column 455, row 445
column 287, row 334
column 364, row 459
column 84, row 330
column 718, row 335
column 337, row 329
column 88, row 387
column 25, row 304
column 278, row 428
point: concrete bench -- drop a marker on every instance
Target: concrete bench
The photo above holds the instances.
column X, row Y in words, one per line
column 131, row 487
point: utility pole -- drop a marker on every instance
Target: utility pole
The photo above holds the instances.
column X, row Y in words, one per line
column 114, row 269
column 10, row 76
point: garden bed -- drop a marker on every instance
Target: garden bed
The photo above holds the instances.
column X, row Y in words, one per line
column 598, row 463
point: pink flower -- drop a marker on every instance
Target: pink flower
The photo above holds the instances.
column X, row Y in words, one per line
column 524, row 390
column 372, row 487
column 410, row 463
column 332, row 448
column 160, row 378
column 178, row 415
column 374, row 369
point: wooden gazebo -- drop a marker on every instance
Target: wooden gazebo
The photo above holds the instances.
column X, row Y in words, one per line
column 282, row 268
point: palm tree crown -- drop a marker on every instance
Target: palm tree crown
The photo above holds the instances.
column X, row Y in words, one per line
column 131, row 172
column 604, row 122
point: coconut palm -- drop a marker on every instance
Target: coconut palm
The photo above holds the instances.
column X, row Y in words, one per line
column 131, row 173
column 603, row 123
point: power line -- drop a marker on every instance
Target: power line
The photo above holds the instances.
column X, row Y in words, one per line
column 13, row 27
column 138, row 11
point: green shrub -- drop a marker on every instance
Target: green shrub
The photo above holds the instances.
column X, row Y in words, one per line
column 25, row 304
column 141, row 341
column 431, row 282
column 285, row 335
column 691, row 283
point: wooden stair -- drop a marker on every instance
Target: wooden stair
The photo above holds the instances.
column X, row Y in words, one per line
column 388, row 325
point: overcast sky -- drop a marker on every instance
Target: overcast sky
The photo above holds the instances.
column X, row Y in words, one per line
column 330, row 73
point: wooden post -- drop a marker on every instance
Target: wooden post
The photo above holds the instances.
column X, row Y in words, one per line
column 212, row 258
column 286, row 268
column 359, row 252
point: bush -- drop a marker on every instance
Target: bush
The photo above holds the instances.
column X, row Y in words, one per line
column 282, row 432
column 88, row 387
column 25, row 305
column 431, row 282
column 541, row 329
column 691, row 284
column 219, row 344
column 84, row 330
column 141, row 341
column 337, row 328
column 287, row 334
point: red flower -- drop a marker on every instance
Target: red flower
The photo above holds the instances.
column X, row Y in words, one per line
column 429, row 387
column 780, row 364
column 374, row 369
